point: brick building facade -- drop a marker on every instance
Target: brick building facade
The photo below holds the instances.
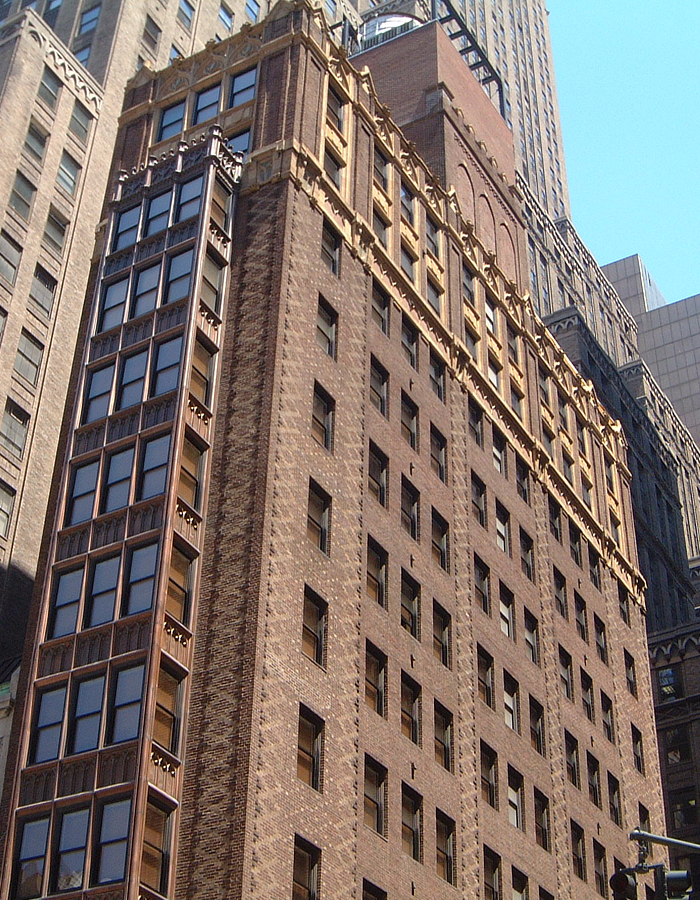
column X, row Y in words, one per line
column 342, row 597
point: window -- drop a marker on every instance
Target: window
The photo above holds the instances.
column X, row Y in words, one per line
column 440, row 540
column 409, row 342
column 410, row 709
column 409, row 421
column 66, row 600
column 581, row 616
column 522, row 478
column 69, row 859
column 375, row 790
column 88, row 20
column 110, row 848
column 157, row 213
column 407, row 204
column 166, row 369
column 179, row 583
column 151, row 34
column 476, row 423
column 566, row 676
column 432, row 236
column 132, row 379
column 309, row 748
column 166, row 725
column 206, row 106
column 601, row 640
column 515, row 799
column 537, row 738
column 677, row 745
column 578, row 850
column 410, row 604
column 252, row 9
column 630, row 674
column 593, row 771
column 410, row 501
column 82, row 493
column 140, row 581
column 544, row 385
column 334, row 110
column 441, row 634
column 22, row 195
column 482, row 584
column 30, row 860
column 600, row 869
column 568, row 467
column 670, row 680
column 326, row 327
column 377, row 562
column 684, row 808
column 306, row 864
column 117, row 482
column 113, row 305
column 555, row 520
column 507, row 611
column 371, row 892
column 318, row 517
column 68, row 174
column 587, row 698
column 381, row 169
column 13, row 431
column 606, row 709
column 500, row 453
column 313, row 636
column 512, row 339
column 443, row 736
column 516, row 401
column 411, row 822
column 380, row 307
column 485, row 675
column 511, row 702
column 332, row 167
column 542, row 823
column 623, row 597
column 502, row 528
column 375, row 679
column 527, row 555
column 28, row 359
column 471, row 340
column 83, row 54
column 438, row 454
column 48, row 725
column 97, row 394
column 445, row 847
column 378, row 469
column 322, row 415
column 434, row 296
column 126, row 705
column 221, row 206
column 330, row 247
column 532, row 640
column 185, row 13
column 145, row 290
column 408, row 263
column 490, row 314
column 494, row 374
column 609, row 474
column 10, row 255
column 172, row 121
column 614, row 799
column 42, row 290
column 35, row 142
column 637, row 749
column 437, row 377
column 575, row 544
column 154, row 857
column 55, row 231
column 492, row 875
column 102, row 591
column 467, row 285
column 573, row 769
column 594, row 566
column 489, row 775
column 560, row 595
column 49, row 88
column 86, row 714
column 126, row 229
column 154, row 467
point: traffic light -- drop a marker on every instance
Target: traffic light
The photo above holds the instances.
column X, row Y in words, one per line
column 624, row 885
column 671, row 885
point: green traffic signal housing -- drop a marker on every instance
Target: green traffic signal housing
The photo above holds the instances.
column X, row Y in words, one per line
column 624, row 885
column 674, row 884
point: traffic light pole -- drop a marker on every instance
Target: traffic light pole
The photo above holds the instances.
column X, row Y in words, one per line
column 668, row 885
column 644, row 837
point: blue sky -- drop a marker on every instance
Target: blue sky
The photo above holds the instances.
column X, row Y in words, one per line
column 628, row 79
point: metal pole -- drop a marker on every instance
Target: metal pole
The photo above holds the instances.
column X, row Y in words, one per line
column 638, row 835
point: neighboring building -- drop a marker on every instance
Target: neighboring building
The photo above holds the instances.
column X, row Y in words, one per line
column 353, row 627
column 63, row 107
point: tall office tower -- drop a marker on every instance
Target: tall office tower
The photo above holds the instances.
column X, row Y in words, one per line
column 332, row 600
column 63, row 107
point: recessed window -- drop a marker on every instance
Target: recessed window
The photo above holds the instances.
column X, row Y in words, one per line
column 630, row 673
column 35, row 142
column 468, row 294
column 573, row 768
column 318, row 517
column 109, row 850
column 154, row 467
column 88, row 20
column 407, row 204
column 438, row 453
column 522, row 478
column 442, row 726
column 29, row 356
column 379, row 387
column 326, row 327
column 502, row 528
column 132, row 379
column 489, row 775
column 309, row 748
column 482, row 584
column 409, row 421
column 381, row 169
column 306, row 860
column 151, row 35
column 50, row 87
column 532, row 637
column 335, row 110
column 409, row 342
column 166, row 726
column 225, row 17
column 185, row 13
column 511, row 702
column 116, row 489
column 601, row 641
column 560, row 594
column 437, row 374
column 381, row 228
column 126, row 705
column 7, row 503
column 177, row 280
column 252, row 9
column 374, row 791
column 378, row 472
column 86, row 715
column 172, row 121
column 179, row 585
column 14, row 429
column 507, row 611
column 189, row 196
column 410, row 604
column 157, row 213
column 566, row 674
column 485, row 676
column 375, row 679
column 243, row 87
column 441, row 634
column 476, row 423
column 332, row 167
column 68, row 174
column 207, row 102
column 322, row 416
column 432, row 236
column 440, row 538
column 516, row 811
column 10, row 256
column 581, row 616
column 81, row 498
column 101, row 594
column 380, row 307
column 55, row 231
column 32, row 840
column 408, row 263
column 192, row 462
column 145, row 292
column 155, row 856
column 578, row 851
column 410, row 501
column 330, row 247
column 313, row 635
column 587, row 698
column 537, row 738
column 444, row 847
column 140, row 579
column 377, row 563
column 48, row 727
column 614, row 799
column 542, row 821
column 411, row 822
column 410, row 709
column 435, row 294
column 83, row 54
column 22, row 196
